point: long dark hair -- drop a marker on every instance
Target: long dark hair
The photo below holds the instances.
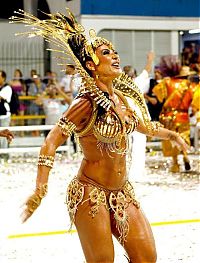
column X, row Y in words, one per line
column 77, row 44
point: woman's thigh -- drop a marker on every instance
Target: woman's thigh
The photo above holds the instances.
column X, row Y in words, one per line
column 139, row 244
column 95, row 233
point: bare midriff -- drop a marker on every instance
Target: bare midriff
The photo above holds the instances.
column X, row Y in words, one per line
column 105, row 168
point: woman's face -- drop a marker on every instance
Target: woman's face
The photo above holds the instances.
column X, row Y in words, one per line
column 109, row 62
column 17, row 74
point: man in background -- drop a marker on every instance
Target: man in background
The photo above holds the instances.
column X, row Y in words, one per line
column 5, row 97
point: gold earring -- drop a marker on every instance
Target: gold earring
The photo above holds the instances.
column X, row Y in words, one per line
column 96, row 76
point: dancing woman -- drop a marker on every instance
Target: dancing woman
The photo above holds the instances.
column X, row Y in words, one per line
column 100, row 199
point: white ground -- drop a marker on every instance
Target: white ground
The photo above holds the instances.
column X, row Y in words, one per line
column 163, row 196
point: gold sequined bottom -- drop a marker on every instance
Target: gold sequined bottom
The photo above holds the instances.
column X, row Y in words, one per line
column 116, row 201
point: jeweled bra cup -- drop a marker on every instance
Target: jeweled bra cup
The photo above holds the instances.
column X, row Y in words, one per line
column 110, row 129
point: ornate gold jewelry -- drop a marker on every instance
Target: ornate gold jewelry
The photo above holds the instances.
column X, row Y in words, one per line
column 46, row 160
column 71, row 40
column 75, row 193
column 33, row 202
column 126, row 85
column 116, row 201
column 94, row 43
column 42, row 190
column 67, row 127
column 155, row 125
column 97, row 198
column 58, row 29
column 111, row 130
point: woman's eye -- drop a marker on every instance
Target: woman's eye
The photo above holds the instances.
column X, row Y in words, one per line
column 106, row 52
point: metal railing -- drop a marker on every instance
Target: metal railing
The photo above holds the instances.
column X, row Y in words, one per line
column 32, row 148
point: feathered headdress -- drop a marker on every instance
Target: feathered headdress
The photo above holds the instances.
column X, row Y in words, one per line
column 69, row 36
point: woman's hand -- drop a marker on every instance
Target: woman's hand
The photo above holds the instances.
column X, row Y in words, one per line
column 33, row 202
column 31, row 205
column 178, row 141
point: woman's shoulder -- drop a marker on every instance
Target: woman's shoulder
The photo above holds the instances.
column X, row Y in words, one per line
column 80, row 110
column 83, row 102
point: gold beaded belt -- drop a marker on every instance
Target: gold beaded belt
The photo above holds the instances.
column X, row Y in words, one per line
column 116, row 201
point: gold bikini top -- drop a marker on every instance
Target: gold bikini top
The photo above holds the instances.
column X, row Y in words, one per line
column 110, row 128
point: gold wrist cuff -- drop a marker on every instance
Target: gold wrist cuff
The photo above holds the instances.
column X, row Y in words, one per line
column 67, row 127
column 155, row 125
column 46, row 160
column 42, row 190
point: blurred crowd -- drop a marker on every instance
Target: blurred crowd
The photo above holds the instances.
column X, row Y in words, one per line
column 45, row 98
column 173, row 98
column 35, row 100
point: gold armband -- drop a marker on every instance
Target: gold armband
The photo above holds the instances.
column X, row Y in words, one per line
column 67, row 127
column 46, row 160
column 155, row 125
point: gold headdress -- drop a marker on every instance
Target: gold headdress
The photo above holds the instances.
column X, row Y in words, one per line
column 68, row 35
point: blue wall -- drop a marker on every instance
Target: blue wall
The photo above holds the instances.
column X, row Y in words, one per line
column 176, row 8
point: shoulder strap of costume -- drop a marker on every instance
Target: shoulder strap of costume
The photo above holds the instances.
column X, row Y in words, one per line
column 126, row 85
column 89, row 87
column 122, row 97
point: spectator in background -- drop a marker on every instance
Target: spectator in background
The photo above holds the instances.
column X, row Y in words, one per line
column 36, row 89
column 141, row 80
column 193, row 55
column 185, row 56
column 53, row 79
column 29, row 80
column 194, row 110
column 5, row 97
column 195, row 58
column 130, row 71
column 177, row 93
column 52, row 105
column 71, row 82
column 66, row 82
column 190, row 56
column 154, row 106
column 18, row 85
column 137, row 168
column 47, row 77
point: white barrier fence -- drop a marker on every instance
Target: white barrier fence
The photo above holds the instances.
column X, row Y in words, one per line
column 32, row 148
column 68, row 143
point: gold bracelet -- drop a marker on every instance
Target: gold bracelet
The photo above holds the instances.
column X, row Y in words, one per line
column 46, row 160
column 155, row 125
column 42, row 190
column 67, row 127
